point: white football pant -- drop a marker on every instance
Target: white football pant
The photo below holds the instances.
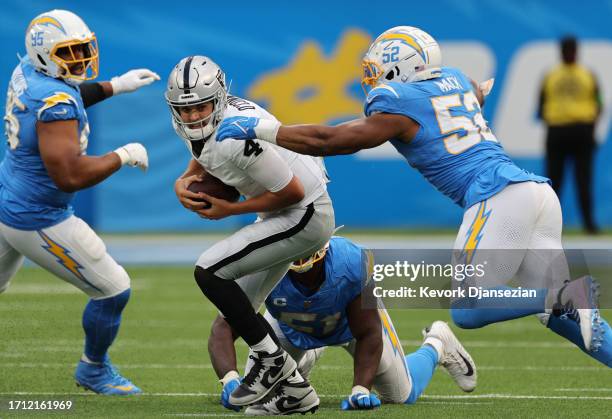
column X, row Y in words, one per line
column 71, row 250
column 259, row 255
column 516, row 233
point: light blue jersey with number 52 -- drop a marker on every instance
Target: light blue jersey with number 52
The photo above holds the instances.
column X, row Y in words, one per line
column 454, row 148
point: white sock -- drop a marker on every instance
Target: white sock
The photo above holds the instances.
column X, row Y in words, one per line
column 436, row 344
column 296, row 378
column 89, row 361
column 265, row 345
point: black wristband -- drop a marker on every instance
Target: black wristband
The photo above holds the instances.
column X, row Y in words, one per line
column 92, row 93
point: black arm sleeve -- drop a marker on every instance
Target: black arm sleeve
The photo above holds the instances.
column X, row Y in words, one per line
column 92, row 93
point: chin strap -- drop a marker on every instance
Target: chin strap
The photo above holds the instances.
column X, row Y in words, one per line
column 199, row 133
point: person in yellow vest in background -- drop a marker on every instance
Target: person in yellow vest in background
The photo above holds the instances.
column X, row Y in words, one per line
column 570, row 104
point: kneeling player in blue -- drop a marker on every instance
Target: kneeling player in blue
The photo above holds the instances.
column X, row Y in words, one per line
column 46, row 163
column 432, row 115
column 319, row 304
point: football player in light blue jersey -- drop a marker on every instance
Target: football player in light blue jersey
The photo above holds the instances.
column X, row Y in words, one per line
column 432, row 116
column 46, row 163
column 319, row 303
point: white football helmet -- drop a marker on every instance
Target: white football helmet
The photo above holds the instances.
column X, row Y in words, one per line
column 404, row 54
column 195, row 80
column 304, row 265
column 64, row 32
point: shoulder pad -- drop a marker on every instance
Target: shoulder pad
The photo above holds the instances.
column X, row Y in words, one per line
column 383, row 98
column 41, row 86
column 64, row 105
column 383, row 89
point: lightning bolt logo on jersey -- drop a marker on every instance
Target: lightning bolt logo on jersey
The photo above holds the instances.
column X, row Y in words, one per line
column 454, row 148
column 29, row 199
column 317, row 320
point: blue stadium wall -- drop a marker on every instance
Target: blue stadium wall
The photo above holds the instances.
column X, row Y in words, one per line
column 302, row 61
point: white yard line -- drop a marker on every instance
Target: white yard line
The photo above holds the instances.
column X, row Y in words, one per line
column 514, row 396
column 46, row 345
column 446, row 402
column 133, row 366
column 321, row 367
column 201, row 414
column 580, row 390
column 502, row 344
column 539, row 368
column 500, row 396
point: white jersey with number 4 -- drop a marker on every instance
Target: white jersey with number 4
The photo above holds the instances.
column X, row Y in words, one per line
column 254, row 167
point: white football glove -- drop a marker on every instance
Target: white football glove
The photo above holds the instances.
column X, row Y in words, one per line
column 486, row 86
column 132, row 80
column 134, row 154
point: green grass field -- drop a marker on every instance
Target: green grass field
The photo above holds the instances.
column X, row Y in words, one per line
column 524, row 370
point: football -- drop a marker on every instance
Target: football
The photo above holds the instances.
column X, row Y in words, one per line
column 214, row 187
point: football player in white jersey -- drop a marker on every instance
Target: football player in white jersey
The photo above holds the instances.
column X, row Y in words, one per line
column 46, row 162
column 289, row 193
column 432, row 115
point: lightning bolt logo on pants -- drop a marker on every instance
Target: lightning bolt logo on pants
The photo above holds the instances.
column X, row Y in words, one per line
column 389, row 330
column 63, row 256
column 474, row 233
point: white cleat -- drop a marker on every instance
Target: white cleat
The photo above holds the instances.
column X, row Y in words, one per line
column 289, row 398
column 577, row 300
column 454, row 358
column 268, row 371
